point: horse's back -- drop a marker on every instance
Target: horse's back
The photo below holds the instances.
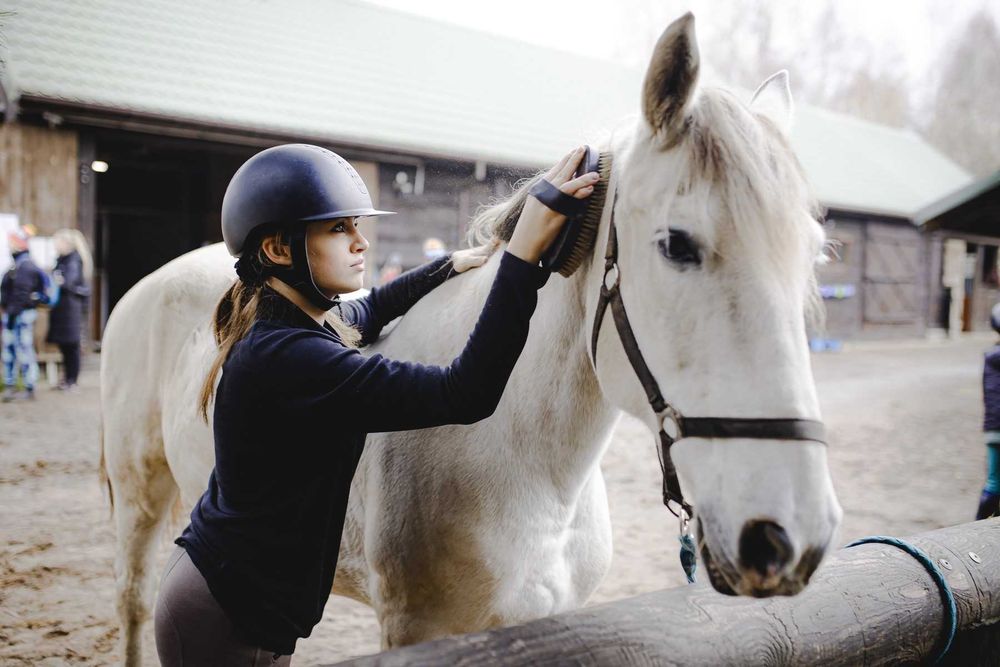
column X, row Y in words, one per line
column 174, row 296
column 146, row 334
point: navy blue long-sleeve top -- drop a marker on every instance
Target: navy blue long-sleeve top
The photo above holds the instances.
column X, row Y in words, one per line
column 991, row 390
column 292, row 409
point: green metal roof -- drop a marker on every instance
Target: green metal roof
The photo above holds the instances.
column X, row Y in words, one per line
column 857, row 165
column 343, row 71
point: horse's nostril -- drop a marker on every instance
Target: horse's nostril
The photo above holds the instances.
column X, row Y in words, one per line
column 765, row 547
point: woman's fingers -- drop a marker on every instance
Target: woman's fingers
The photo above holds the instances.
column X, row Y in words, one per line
column 570, row 165
column 561, row 172
column 558, row 166
column 584, row 182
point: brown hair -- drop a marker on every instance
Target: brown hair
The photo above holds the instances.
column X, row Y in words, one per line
column 239, row 308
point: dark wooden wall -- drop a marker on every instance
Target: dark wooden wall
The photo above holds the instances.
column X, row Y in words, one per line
column 843, row 315
column 39, row 176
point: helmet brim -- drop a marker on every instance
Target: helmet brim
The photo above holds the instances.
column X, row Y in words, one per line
column 347, row 213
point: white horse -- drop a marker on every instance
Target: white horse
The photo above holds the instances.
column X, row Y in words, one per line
column 461, row 528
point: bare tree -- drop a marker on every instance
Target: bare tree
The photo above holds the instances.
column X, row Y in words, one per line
column 963, row 121
column 834, row 67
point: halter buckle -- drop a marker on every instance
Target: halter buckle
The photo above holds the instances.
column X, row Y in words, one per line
column 607, row 272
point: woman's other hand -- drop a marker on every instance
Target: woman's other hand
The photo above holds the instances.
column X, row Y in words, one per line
column 539, row 225
column 470, row 258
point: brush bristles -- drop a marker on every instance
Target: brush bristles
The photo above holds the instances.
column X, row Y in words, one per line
column 591, row 220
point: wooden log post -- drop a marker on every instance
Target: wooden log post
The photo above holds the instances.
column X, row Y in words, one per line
column 867, row 605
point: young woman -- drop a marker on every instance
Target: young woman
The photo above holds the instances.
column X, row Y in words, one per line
column 72, row 275
column 295, row 399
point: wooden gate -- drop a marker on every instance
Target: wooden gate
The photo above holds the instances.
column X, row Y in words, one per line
column 892, row 268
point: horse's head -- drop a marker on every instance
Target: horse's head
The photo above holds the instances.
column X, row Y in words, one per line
column 718, row 243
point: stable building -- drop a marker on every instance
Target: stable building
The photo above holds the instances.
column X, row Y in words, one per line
column 127, row 120
column 963, row 229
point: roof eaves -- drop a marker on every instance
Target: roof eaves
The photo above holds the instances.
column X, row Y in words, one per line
column 956, row 198
column 862, row 210
column 150, row 122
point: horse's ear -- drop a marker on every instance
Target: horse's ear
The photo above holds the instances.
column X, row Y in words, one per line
column 773, row 98
column 671, row 79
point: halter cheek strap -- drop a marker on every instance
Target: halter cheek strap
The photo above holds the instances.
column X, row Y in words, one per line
column 673, row 425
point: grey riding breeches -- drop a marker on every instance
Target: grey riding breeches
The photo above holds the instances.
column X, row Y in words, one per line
column 192, row 629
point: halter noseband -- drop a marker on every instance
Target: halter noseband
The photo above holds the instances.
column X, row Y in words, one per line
column 668, row 417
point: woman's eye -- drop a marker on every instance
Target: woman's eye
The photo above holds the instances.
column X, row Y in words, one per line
column 680, row 248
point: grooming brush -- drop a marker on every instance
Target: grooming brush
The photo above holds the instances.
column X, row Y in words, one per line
column 576, row 239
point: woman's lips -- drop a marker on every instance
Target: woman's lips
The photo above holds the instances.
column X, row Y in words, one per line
column 359, row 265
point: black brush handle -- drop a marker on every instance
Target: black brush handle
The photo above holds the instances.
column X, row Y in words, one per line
column 556, row 255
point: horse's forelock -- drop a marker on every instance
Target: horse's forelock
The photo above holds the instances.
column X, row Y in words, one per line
column 749, row 163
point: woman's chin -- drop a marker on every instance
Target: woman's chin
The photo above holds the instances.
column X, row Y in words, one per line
column 346, row 288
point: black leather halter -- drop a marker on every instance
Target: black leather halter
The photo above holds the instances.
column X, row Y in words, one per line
column 668, row 417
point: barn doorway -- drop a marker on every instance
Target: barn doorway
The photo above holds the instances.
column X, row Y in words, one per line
column 158, row 199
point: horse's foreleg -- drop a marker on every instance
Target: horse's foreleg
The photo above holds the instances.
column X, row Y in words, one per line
column 143, row 490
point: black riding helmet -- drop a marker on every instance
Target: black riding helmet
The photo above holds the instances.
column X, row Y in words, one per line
column 285, row 187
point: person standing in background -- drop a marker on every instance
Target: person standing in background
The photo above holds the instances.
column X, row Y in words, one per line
column 22, row 289
column 989, row 501
column 71, row 275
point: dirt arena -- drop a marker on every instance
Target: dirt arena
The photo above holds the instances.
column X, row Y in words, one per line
column 905, row 450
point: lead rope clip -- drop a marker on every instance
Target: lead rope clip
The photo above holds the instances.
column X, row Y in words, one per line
column 689, row 554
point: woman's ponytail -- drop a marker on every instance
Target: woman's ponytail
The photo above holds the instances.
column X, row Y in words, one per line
column 234, row 315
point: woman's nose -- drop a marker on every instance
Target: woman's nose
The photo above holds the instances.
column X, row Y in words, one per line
column 361, row 243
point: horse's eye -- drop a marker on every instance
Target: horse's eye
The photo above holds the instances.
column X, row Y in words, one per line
column 680, row 248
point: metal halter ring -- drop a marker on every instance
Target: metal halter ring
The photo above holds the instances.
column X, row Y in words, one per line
column 669, row 417
column 685, row 522
column 614, row 283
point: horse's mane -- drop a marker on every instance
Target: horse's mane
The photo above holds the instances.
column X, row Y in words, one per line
column 496, row 221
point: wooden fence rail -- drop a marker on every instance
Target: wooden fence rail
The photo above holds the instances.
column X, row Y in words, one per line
column 872, row 604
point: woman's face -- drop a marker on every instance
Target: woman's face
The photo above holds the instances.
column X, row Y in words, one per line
column 336, row 255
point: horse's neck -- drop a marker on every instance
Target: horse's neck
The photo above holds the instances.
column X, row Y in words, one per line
column 558, row 421
column 553, row 424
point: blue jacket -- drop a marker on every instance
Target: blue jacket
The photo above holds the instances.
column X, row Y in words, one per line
column 991, row 390
column 292, row 409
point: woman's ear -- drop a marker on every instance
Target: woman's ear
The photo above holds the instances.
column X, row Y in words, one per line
column 276, row 251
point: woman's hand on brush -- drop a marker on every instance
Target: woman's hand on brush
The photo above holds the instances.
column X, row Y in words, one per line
column 539, row 225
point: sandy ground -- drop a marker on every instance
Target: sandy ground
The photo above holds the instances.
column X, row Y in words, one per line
column 906, row 457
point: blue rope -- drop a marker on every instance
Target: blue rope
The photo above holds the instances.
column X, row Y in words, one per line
column 689, row 557
column 947, row 597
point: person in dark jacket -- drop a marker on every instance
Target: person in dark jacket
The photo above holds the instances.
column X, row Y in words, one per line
column 72, row 276
column 22, row 289
column 254, row 567
column 989, row 501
